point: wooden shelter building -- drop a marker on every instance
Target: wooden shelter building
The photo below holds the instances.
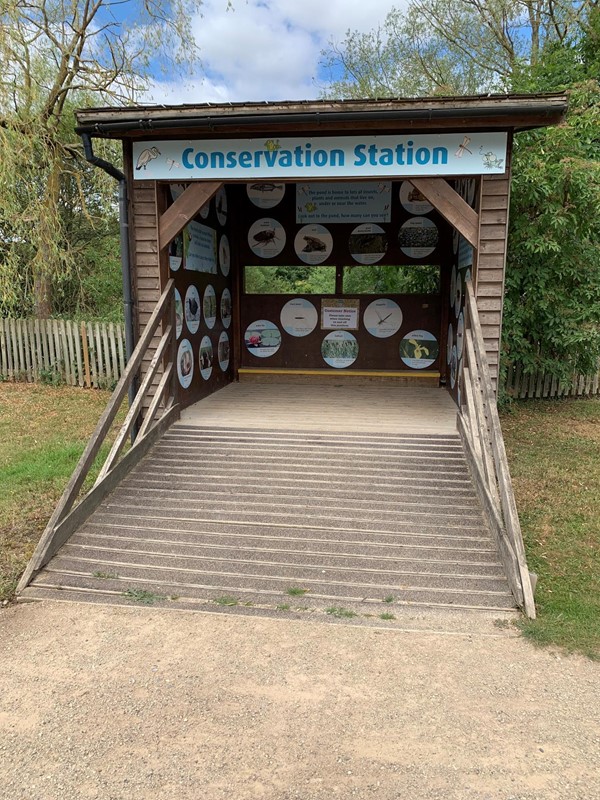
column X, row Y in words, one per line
column 323, row 242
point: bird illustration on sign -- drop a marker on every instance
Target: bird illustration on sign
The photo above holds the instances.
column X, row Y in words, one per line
column 147, row 155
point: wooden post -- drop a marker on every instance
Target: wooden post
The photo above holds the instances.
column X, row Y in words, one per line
column 86, row 356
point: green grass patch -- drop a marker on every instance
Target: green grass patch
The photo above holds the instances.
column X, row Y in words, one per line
column 340, row 612
column 142, row 596
column 283, row 607
column 389, row 598
column 387, row 616
column 100, row 574
column 226, row 600
column 43, row 431
column 296, row 591
column 554, row 455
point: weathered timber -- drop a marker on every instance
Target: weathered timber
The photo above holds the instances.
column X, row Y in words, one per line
column 184, row 209
column 451, row 206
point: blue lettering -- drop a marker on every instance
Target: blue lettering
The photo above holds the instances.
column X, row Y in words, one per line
column 422, row 155
column 360, row 158
column 231, row 159
column 185, row 158
column 217, row 160
column 270, row 157
column 201, row 160
column 245, row 159
column 337, row 158
column 440, row 153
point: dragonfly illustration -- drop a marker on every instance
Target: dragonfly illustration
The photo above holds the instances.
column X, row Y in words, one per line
column 464, row 147
column 383, row 319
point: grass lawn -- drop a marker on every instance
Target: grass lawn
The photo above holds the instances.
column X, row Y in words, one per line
column 554, row 453
column 43, row 431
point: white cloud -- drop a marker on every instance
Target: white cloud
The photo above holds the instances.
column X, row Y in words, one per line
column 266, row 49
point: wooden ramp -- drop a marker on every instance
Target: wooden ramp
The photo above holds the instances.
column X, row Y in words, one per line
column 364, row 522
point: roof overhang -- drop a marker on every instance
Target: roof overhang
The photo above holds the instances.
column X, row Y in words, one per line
column 480, row 112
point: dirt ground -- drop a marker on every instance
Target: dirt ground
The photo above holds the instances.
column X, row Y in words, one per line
column 118, row 703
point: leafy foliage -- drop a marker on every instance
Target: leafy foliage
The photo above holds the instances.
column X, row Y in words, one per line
column 552, row 310
column 552, row 318
column 57, row 213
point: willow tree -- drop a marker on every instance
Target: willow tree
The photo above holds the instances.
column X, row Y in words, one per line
column 57, row 55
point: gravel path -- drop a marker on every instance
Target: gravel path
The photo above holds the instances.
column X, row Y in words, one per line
column 122, row 704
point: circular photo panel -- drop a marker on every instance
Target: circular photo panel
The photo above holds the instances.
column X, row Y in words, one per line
column 449, row 343
column 185, row 363
column 205, row 357
column 382, row 318
column 176, row 252
column 460, row 335
column 368, row 243
column 418, row 237
column 265, row 195
column 339, row 349
column 419, row 349
column 205, row 210
column 209, row 306
column 192, row 309
column 266, row 238
column 178, row 314
column 458, row 295
column 313, row 244
column 262, row 338
column 452, row 295
column 176, row 190
column 299, row 317
column 223, row 351
column 221, row 205
column 453, row 368
column 226, row 308
column 224, row 255
column 471, row 186
column 412, row 199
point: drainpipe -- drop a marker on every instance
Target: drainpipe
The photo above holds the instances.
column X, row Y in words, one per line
column 115, row 173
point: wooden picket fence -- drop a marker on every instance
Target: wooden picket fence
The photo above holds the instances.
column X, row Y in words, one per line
column 539, row 385
column 90, row 354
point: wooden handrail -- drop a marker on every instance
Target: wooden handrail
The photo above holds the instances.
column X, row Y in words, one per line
column 487, row 445
column 81, row 471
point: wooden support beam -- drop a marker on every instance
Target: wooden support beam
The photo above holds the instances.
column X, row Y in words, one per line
column 184, row 209
column 451, row 206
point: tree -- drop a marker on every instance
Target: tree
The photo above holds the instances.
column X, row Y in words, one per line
column 552, row 309
column 57, row 55
column 451, row 47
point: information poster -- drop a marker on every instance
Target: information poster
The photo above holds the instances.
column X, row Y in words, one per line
column 340, row 313
column 344, row 202
column 339, row 349
column 299, row 317
column 382, row 318
column 419, row 349
column 200, row 248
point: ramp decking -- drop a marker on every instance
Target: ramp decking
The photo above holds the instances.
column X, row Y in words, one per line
column 369, row 522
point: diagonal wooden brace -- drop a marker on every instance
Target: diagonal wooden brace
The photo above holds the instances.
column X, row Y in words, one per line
column 184, row 209
column 451, row 206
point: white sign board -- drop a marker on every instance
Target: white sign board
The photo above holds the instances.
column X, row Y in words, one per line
column 321, row 157
column 344, row 202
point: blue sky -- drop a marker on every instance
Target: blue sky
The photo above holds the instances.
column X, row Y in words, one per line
column 266, row 49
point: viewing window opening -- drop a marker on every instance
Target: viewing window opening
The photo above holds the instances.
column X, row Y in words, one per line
column 389, row 279
column 269, row 279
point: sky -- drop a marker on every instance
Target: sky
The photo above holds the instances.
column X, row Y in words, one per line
column 267, row 49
